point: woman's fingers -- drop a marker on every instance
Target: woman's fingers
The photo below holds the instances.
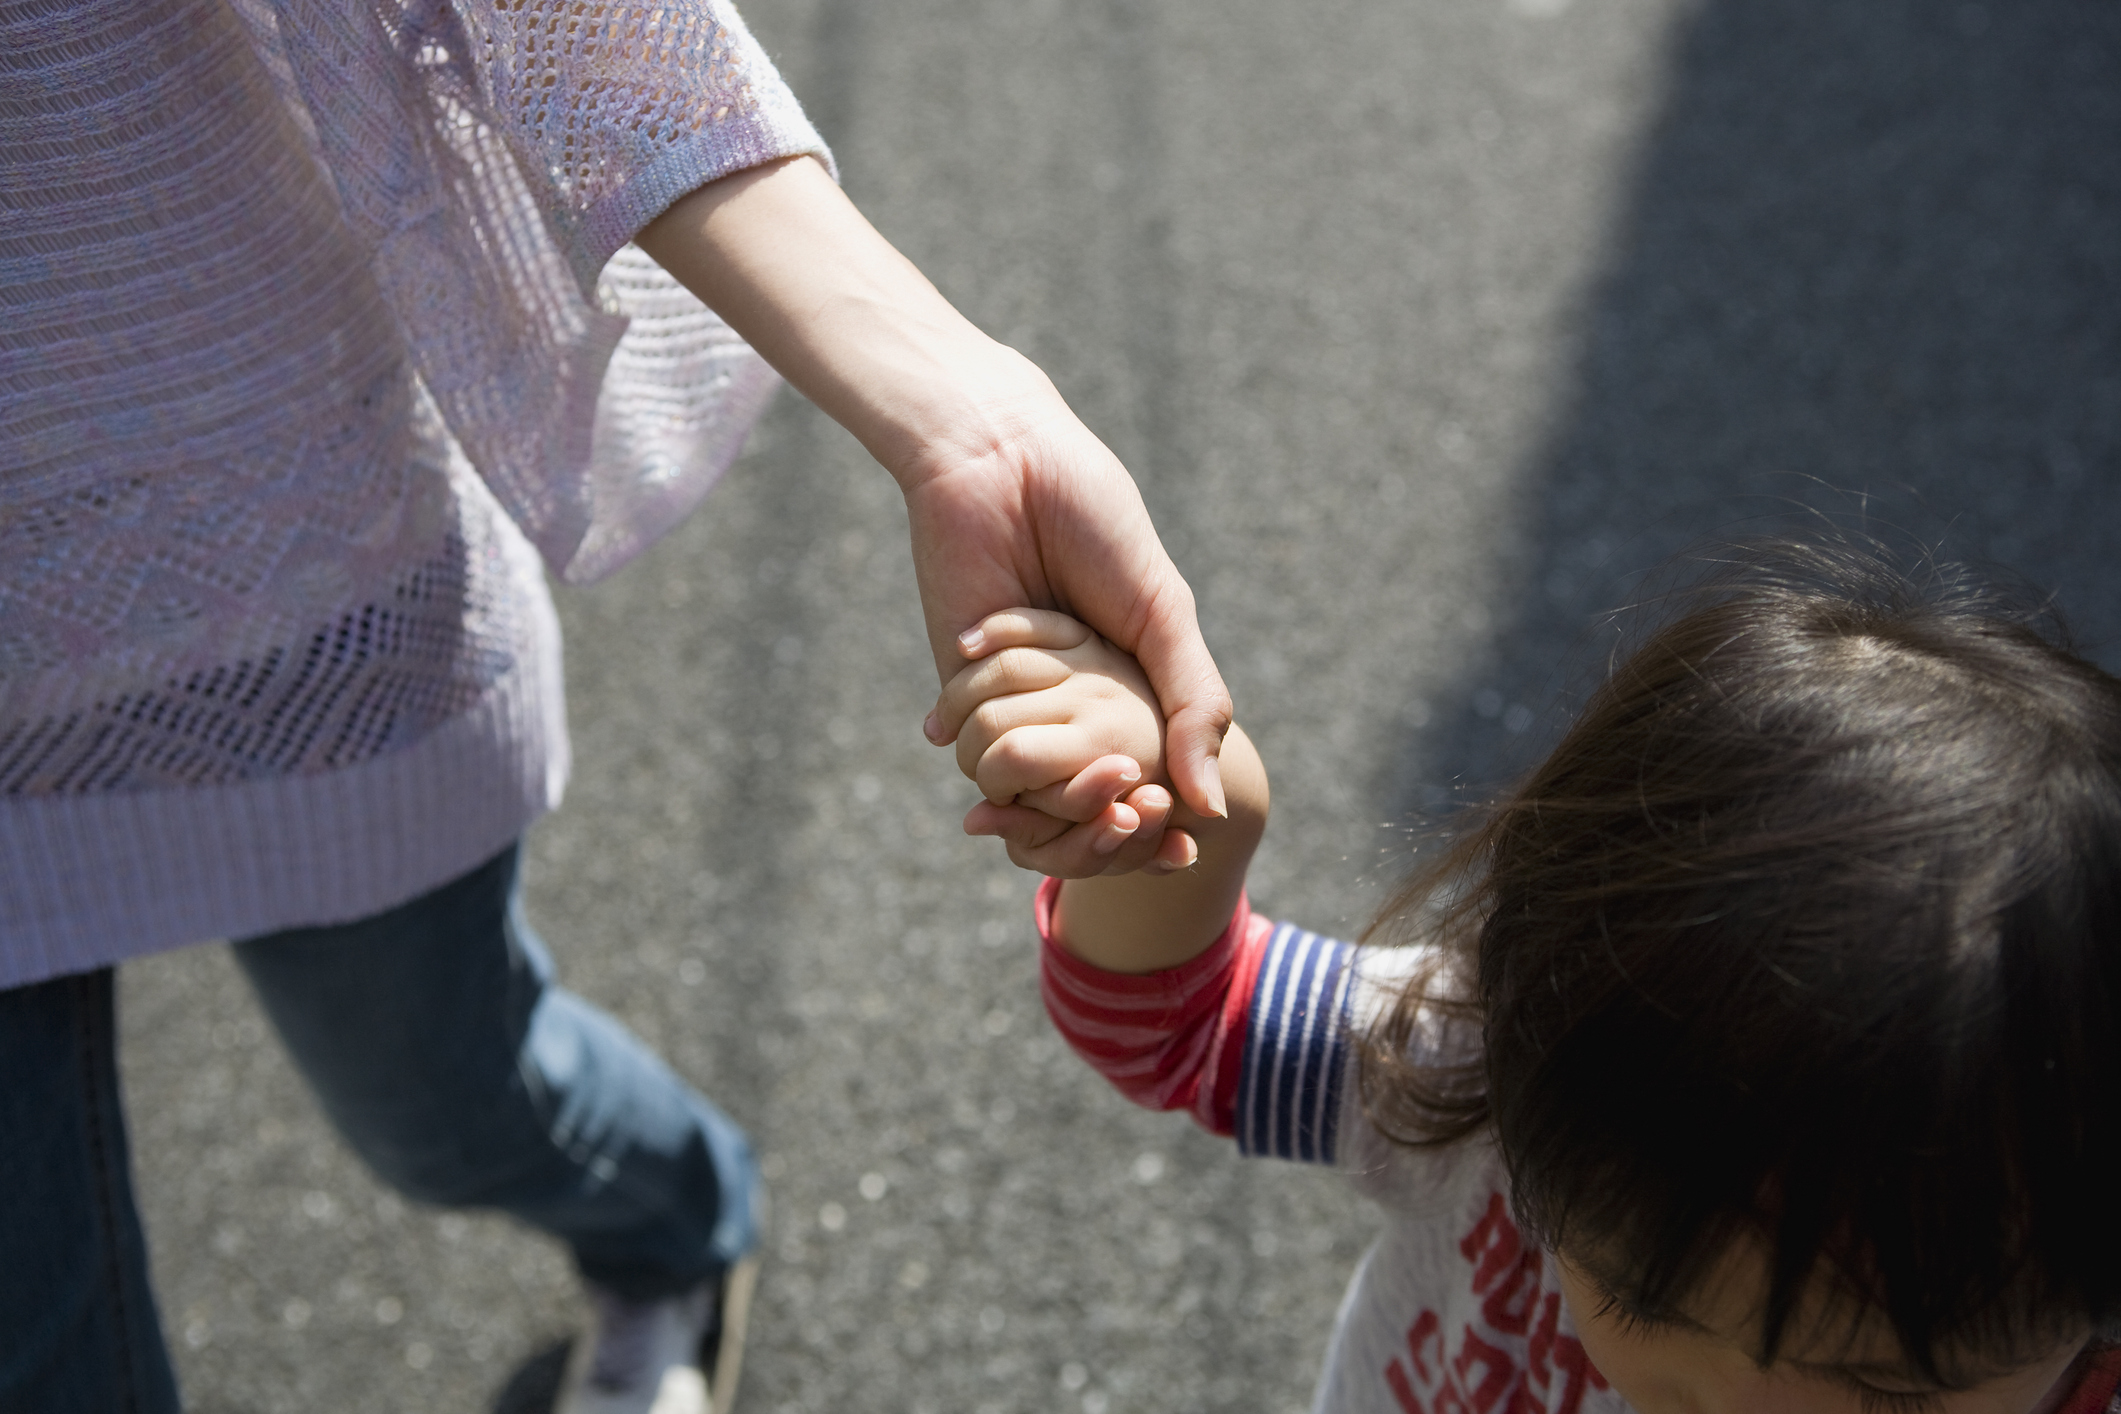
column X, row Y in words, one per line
column 1127, row 835
column 1176, row 850
column 1103, row 846
column 1085, row 796
column 1060, row 848
column 1140, row 850
column 1195, row 703
column 1015, row 825
column 1028, row 758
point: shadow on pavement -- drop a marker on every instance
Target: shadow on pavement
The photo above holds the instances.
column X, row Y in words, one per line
column 1872, row 264
column 535, row 1384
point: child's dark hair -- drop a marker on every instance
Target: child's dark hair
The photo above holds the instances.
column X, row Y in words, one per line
column 1810, row 929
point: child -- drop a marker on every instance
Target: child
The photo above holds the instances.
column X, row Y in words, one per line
column 1757, row 1055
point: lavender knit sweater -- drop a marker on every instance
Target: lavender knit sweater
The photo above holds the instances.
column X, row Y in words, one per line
column 318, row 329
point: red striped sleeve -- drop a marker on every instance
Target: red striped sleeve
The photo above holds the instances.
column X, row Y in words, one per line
column 1171, row 1040
column 2099, row 1388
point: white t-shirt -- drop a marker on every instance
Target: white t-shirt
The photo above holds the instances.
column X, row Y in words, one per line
column 1452, row 1310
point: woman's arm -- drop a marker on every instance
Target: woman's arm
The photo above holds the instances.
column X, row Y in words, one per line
column 781, row 254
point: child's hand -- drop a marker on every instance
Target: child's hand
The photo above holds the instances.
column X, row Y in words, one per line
column 1060, row 730
column 1048, row 700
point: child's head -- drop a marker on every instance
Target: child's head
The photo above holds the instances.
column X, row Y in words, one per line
column 1800, row 958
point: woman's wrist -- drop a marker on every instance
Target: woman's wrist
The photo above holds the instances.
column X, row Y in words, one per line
column 929, row 395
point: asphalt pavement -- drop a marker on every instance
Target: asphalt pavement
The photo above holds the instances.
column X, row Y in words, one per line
column 1431, row 330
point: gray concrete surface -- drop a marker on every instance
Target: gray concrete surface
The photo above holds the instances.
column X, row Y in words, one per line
column 1428, row 329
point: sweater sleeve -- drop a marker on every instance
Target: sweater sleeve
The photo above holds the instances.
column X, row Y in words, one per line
column 2098, row 1389
column 493, row 160
column 1250, row 1037
column 615, row 109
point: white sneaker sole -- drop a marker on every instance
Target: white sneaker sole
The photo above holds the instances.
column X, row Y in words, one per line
column 683, row 1389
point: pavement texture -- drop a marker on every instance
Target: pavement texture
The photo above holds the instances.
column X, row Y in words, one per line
column 1431, row 329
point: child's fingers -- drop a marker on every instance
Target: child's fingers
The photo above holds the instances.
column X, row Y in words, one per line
column 1030, row 757
column 1007, row 673
column 1022, row 628
column 996, row 719
column 1085, row 797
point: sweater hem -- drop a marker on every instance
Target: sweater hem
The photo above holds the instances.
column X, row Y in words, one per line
column 93, row 880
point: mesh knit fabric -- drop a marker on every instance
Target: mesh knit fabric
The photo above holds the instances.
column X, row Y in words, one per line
column 310, row 313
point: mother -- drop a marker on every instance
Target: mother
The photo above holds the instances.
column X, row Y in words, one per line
column 325, row 321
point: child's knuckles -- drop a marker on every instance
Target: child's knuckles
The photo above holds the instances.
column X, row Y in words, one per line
column 959, row 695
column 1002, row 774
column 984, row 679
column 1000, row 787
column 1047, row 755
column 1008, row 751
column 978, row 737
column 1021, row 756
column 1027, row 670
column 991, row 719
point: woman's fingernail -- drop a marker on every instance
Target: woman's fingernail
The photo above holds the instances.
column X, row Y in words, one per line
column 1217, row 806
column 972, row 640
column 1109, row 839
column 1130, row 773
column 932, row 729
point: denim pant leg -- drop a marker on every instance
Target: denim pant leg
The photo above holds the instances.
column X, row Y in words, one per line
column 78, row 1330
column 440, row 1047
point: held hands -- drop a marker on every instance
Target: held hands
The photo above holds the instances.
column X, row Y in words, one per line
column 1056, row 724
column 1009, row 498
column 1061, row 730
column 1042, row 514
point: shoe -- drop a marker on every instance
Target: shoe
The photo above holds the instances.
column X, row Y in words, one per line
column 675, row 1355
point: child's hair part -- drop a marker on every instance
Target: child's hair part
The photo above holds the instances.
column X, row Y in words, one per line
column 1808, row 932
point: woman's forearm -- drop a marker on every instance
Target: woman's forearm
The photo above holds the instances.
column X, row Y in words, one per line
column 781, row 254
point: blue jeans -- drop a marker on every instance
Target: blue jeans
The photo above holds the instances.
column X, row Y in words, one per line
column 439, row 1046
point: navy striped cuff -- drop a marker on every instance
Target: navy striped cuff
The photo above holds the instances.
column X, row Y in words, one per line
column 1296, row 1043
